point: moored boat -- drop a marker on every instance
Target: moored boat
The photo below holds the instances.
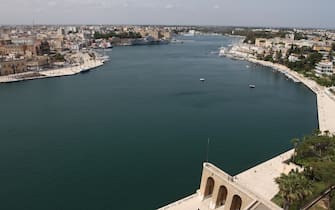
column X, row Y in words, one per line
column 252, row 86
column 85, row 70
column 222, row 51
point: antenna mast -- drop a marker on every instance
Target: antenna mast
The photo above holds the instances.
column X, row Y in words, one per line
column 207, row 150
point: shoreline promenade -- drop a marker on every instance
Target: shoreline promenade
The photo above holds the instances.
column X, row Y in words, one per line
column 325, row 99
column 65, row 71
column 260, row 179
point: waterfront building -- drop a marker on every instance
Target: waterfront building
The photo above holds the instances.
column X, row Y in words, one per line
column 260, row 42
column 24, row 49
column 322, row 48
column 167, row 34
column 56, row 44
column 154, row 33
column 12, row 66
column 11, row 49
column 293, row 58
column 38, row 63
column 324, row 68
column 23, row 41
column 61, row 31
column 303, row 43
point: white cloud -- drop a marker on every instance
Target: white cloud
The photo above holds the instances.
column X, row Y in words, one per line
column 216, row 7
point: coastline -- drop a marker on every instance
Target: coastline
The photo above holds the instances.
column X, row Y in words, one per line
column 325, row 99
column 60, row 72
column 260, row 179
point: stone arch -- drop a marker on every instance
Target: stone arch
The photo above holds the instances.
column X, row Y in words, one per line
column 209, row 187
column 236, row 203
column 222, row 196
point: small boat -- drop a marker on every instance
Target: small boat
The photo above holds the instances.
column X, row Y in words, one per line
column 247, row 66
column 252, row 86
column 85, row 70
column 202, row 79
column 222, row 51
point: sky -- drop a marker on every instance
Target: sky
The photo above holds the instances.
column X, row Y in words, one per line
column 272, row 13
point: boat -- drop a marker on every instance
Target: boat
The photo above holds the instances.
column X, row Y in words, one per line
column 105, row 45
column 202, row 79
column 252, row 86
column 247, row 66
column 175, row 41
column 104, row 58
column 190, row 33
column 222, row 51
column 85, row 70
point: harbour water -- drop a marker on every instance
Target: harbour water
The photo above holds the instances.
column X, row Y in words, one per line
column 133, row 133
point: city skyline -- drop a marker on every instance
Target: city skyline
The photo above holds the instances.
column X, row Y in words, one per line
column 284, row 13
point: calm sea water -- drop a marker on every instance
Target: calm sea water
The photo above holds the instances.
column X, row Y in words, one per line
column 133, row 134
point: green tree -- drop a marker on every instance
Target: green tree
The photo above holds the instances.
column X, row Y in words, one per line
column 316, row 154
column 269, row 57
column 59, row 57
column 298, row 36
column 279, row 56
column 295, row 143
column 316, row 132
column 293, row 188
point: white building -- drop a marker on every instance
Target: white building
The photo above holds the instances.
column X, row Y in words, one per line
column 324, row 68
column 293, row 58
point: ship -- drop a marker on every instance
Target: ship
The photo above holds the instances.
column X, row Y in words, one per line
column 85, row 70
column 252, row 86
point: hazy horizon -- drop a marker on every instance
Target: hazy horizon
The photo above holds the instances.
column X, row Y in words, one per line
column 243, row 13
